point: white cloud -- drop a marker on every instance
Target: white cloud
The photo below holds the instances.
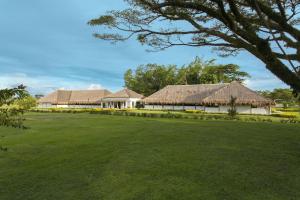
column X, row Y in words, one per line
column 95, row 87
column 265, row 83
column 44, row 84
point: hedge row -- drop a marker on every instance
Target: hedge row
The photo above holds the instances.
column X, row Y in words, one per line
column 285, row 114
column 200, row 116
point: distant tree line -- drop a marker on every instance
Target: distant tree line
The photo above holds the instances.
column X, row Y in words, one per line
column 280, row 95
column 149, row 78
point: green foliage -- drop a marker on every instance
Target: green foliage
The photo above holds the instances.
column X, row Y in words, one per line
column 283, row 96
column 12, row 115
column 150, row 78
column 287, row 109
column 286, row 114
column 147, row 79
column 194, row 111
column 9, row 96
column 188, row 114
column 267, row 29
column 279, row 94
column 232, row 110
column 26, row 102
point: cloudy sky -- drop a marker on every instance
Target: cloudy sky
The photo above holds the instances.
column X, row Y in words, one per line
column 47, row 45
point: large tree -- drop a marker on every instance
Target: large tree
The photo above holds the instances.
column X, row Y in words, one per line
column 147, row 79
column 268, row 29
column 279, row 94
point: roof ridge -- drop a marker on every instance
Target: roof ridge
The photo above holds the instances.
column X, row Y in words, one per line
column 221, row 88
column 252, row 91
column 200, row 84
column 82, row 90
column 127, row 92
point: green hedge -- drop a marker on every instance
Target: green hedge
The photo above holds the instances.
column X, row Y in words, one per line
column 285, row 114
column 183, row 115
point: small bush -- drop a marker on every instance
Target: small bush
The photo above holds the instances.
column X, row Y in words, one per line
column 232, row 110
column 285, row 115
column 194, row 111
column 12, row 117
column 168, row 114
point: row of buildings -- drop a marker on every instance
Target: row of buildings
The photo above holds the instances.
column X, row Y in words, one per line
column 213, row 98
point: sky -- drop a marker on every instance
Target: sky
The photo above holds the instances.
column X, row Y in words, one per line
column 47, row 45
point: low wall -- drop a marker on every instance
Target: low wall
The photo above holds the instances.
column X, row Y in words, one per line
column 219, row 109
column 67, row 106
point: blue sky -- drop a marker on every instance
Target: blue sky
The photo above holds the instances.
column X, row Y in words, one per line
column 47, row 45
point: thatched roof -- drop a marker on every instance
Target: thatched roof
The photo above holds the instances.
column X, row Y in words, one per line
column 125, row 93
column 64, row 97
column 207, row 94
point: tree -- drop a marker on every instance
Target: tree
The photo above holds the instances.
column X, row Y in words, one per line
column 279, row 95
column 26, row 103
column 203, row 72
column 147, row 79
column 150, row 78
column 268, row 29
column 191, row 73
column 232, row 112
column 227, row 73
column 9, row 114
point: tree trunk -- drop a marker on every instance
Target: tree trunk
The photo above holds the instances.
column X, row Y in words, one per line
column 277, row 67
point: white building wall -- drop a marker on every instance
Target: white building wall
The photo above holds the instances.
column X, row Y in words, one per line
column 168, row 107
column 157, row 107
column 149, row 107
column 125, row 102
column 189, row 107
column 220, row 109
column 46, row 105
column 62, row 106
column 200, row 107
column 178, row 107
column 212, row 109
column 243, row 109
column 224, row 109
column 262, row 111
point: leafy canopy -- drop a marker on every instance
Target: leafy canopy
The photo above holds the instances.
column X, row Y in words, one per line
column 11, row 115
column 267, row 29
column 279, row 95
column 147, row 79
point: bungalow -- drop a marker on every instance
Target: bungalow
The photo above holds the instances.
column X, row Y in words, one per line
column 122, row 99
column 73, row 99
column 90, row 99
column 213, row 98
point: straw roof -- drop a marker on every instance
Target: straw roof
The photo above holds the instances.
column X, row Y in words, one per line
column 207, row 94
column 125, row 93
column 65, row 97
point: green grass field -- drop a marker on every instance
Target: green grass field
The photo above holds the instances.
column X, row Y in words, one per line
column 84, row 156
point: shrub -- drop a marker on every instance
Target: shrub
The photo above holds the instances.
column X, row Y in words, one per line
column 232, row 110
column 26, row 102
column 11, row 116
column 194, row 111
column 285, row 115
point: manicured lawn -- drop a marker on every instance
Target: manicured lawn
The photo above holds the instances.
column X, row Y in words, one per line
column 84, row 156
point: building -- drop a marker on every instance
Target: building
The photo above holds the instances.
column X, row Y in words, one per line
column 122, row 99
column 90, row 99
column 73, row 99
column 213, row 98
